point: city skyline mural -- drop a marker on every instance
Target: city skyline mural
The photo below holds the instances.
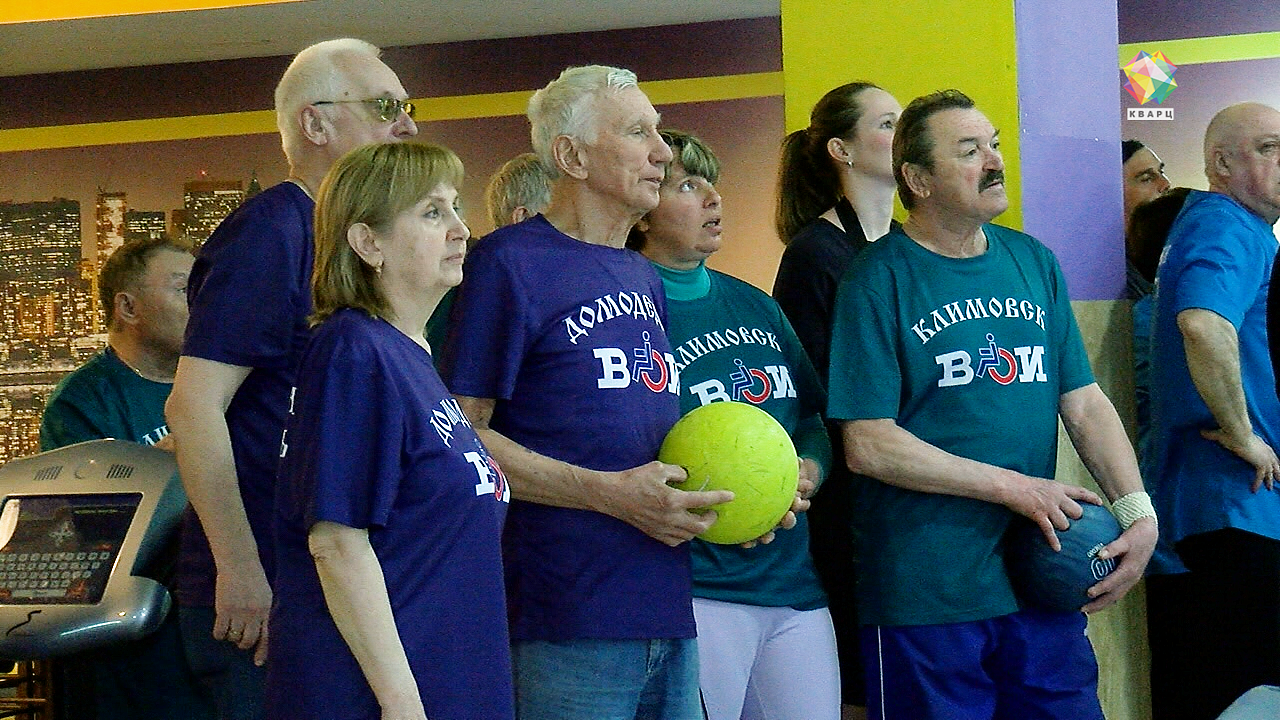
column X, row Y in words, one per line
column 732, row 100
column 58, row 208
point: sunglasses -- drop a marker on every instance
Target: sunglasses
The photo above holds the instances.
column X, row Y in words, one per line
column 387, row 109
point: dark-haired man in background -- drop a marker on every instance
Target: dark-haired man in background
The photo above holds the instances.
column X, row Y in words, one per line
column 954, row 353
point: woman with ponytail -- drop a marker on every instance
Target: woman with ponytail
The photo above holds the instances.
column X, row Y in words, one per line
column 835, row 194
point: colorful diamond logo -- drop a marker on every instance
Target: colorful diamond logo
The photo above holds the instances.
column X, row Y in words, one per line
column 1150, row 77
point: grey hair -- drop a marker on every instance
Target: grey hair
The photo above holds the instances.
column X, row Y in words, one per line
column 523, row 181
column 313, row 75
column 563, row 107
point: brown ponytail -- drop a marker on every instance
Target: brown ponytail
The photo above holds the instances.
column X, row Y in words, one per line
column 808, row 184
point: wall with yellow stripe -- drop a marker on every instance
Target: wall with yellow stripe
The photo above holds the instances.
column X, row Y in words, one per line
column 429, row 109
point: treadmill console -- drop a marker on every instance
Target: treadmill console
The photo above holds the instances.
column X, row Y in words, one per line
column 77, row 525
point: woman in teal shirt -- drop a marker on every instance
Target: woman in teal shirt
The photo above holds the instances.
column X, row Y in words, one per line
column 765, row 642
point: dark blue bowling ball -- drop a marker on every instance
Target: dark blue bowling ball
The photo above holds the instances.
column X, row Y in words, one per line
column 1059, row 580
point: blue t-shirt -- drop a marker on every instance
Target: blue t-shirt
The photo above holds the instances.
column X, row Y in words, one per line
column 569, row 339
column 250, row 294
column 1218, row 258
column 734, row 343
column 375, row 441
column 1164, row 561
column 970, row 355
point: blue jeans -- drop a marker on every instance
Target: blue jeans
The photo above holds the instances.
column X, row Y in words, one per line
column 237, row 686
column 607, row 680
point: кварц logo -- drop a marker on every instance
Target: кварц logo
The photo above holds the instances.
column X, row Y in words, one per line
column 1147, row 78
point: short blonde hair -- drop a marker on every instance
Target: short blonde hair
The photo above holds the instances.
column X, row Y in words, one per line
column 370, row 185
column 564, row 107
column 523, row 181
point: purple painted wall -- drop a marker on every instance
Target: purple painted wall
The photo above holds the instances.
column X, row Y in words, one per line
column 463, row 68
column 1202, row 91
column 1070, row 140
column 1147, row 20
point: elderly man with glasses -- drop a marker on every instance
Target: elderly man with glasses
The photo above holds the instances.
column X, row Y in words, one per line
column 250, row 296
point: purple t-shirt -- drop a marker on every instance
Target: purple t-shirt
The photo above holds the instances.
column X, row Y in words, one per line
column 569, row 339
column 376, row 441
column 250, row 294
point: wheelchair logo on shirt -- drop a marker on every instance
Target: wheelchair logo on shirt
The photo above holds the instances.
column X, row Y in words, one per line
column 1023, row 364
column 656, row 371
column 649, row 367
column 492, row 480
column 753, row 385
column 744, row 381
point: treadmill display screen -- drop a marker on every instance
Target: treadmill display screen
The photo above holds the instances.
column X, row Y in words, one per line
column 59, row 549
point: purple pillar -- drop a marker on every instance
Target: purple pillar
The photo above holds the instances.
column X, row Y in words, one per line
column 1070, row 139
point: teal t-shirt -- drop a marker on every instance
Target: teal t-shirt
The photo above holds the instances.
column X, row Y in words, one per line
column 104, row 399
column 148, row 677
column 437, row 331
column 970, row 355
column 732, row 342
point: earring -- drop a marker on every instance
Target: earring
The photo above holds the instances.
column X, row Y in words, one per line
column 377, row 269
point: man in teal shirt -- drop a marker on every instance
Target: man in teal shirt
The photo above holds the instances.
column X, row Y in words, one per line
column 954, row 353
column 120, row 393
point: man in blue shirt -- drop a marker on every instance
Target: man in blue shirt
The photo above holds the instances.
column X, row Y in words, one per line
column 250, row 297
column 558, row 353
column 1215, row 415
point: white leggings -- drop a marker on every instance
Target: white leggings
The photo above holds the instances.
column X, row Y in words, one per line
column 766, row 663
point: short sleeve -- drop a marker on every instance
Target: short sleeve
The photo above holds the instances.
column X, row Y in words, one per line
column 1219, row 265
column 250, row 288
column 813, row 396
column 487, row 337
column 1073, row 362
column 866, row 375
column 345, row 436
column 66, row 423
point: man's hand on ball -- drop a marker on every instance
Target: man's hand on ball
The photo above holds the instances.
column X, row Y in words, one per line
column 643, row 497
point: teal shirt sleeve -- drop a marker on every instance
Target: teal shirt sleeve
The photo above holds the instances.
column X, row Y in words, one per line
column 69, row 421
column 812, row 442
column 437, row 331
column 865, row 376
column 810, row 435
column 104, row 399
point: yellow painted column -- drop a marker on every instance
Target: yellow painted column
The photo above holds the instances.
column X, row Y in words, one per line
column 913, row 47
column 909, row 47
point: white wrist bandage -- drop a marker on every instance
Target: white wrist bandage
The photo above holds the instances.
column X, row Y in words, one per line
column 1132, row 508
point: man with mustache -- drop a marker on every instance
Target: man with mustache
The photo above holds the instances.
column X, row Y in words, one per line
column 954, row 354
